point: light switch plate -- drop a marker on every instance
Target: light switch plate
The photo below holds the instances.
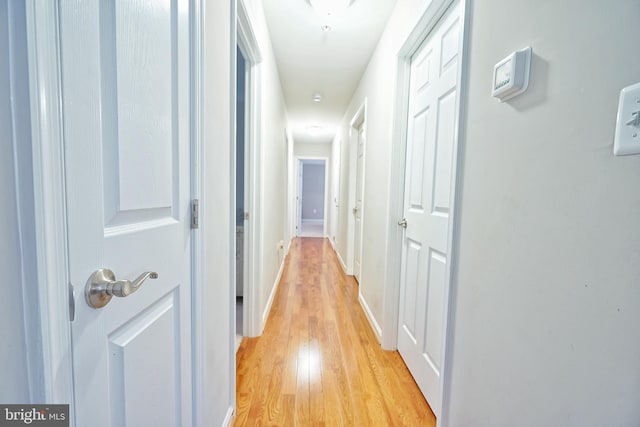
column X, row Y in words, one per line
column 627, row 137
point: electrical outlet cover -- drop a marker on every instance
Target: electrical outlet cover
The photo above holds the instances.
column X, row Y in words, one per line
column 627, row 137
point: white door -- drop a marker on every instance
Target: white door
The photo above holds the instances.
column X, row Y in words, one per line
column 126, row 106
column 431, row 140
column 357, row 210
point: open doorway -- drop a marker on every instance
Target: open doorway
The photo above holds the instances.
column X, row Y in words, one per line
column 240, row 191
column 312, row 195
column 357, row 153
column 248, row 152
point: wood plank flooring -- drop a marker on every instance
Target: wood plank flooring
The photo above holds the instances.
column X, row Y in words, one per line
column 318, row 362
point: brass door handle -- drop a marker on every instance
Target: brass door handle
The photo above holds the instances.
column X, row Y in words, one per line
column 102, row 286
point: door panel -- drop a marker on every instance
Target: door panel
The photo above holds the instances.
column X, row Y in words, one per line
column 125, row 77
column 418, row 161
column 411, row 296
column 432, row 349
column 144, row 77
column 431, row 131
column 444, row 153
column 133, row 373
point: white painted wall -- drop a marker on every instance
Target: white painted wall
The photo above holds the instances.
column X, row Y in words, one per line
column 273, row 157
column 546, row 292
column 219, row 52
column 13, row 358
column 313, row 194
column 548, row 295
column 305, row 149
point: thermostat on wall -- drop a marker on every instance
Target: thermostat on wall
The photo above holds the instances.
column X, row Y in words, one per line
column 511, row 75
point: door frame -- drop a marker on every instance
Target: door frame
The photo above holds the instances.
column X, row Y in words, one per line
column 290, row 221
column 391, row 310
column 248, row 44
column 51, row 369
column 336, row 167
column 359, row 119
column 299, row 161
column 52, row 316
column 199, row 261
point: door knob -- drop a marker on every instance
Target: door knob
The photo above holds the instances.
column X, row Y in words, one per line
column 403, row 223
column 102, row 286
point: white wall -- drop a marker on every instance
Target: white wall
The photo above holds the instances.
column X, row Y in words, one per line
column 547, row 301
column 273, row 158
column 217, row 222
column 548, row 295
column 305, row 149
column 313, row 194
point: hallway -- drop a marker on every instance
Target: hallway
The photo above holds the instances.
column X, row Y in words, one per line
column 318, row 361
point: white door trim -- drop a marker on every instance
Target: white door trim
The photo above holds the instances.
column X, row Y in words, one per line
column 359, row 119
column 427, row 22
column 298, row 191
column 298, row 203
column 291, row 184
column 198, row 261
column 248, row 44
column 54, row 363
column 50, row 207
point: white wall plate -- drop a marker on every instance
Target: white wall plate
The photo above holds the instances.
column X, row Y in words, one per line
column 627, row 137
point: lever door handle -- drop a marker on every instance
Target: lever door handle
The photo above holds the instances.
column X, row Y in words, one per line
column 403, row 223
column 102, row 286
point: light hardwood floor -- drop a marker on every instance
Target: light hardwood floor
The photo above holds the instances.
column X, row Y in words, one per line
column 318, row 362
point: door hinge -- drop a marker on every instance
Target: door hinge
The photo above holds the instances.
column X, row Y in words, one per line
column 246, row 216
column 195, row 213
column 72, row 303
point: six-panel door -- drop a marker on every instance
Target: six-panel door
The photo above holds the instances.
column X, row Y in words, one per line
column 428, row 180
column 126, row 105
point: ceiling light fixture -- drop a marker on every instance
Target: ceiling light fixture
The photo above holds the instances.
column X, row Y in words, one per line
column 329, row 7
column 316, row 97
column 325, row 28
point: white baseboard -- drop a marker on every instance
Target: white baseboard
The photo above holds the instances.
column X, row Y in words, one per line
column 312, row 235
column 372, row 320
column 342, row 264
column 228, row 418
column 274, row 289
column 313, row 221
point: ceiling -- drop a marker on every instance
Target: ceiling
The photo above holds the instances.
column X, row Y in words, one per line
column 330, row 63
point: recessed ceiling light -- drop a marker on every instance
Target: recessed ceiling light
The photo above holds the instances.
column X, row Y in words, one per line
column 316, row 97
column 329, row 7
column 325, row 28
